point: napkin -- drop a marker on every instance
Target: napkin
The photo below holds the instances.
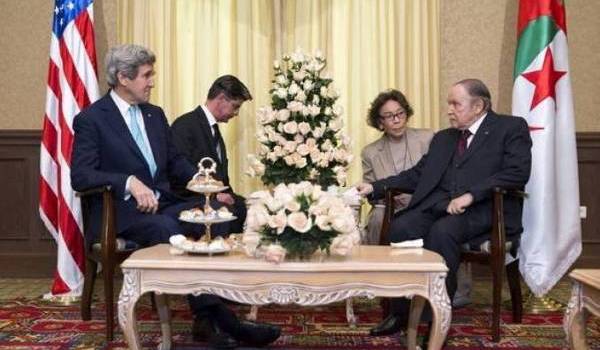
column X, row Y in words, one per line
column 415, row 243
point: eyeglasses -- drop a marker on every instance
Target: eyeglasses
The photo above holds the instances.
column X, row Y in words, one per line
column 400, row 115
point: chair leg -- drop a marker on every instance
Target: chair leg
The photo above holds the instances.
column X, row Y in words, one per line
column 108, row 274
column 385, row 307
column 497, row 267
column 514, row 285
column 88, row 289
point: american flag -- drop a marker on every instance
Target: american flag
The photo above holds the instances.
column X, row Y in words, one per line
column 72, row 85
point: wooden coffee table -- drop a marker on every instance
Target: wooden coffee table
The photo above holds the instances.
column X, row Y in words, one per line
column 585, row 296
column 371, row 271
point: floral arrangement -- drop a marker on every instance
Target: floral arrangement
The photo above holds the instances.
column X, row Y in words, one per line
column 298, row 219
column 301, row 133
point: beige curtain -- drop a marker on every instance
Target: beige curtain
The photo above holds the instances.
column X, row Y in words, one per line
column 370, row 46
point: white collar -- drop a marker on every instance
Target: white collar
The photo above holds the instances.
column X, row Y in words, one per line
column 122, row 105
column 475, row 126
column 209, row 116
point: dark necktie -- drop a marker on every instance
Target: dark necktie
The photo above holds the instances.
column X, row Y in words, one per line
column 217, row 140
column 462, row 142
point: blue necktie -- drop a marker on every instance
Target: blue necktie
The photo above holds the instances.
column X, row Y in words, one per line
column 136, row 132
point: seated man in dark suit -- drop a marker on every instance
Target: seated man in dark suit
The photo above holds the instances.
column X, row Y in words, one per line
column 452, row 184
column 123, row 141
column 196, row 135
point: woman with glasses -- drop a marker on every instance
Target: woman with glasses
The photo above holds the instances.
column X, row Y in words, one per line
column 398, row 149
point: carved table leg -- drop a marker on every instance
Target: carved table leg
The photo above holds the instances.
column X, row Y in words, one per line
column 130, row 293
column 416, row 308
column 574, row 320
column 442, row 312
column 164, row 314
column 350, row 313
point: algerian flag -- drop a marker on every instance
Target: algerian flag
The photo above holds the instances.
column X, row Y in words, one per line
column 551, row 241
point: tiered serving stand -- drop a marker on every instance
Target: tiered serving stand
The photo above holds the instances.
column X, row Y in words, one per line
column 205, row 184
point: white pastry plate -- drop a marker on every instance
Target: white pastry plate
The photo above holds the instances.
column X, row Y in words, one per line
column 215, row 220
column 206, row 189
column 199, row 247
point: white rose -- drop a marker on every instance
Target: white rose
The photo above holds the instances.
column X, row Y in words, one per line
column 304, row 128
column 299, row 222
column 283, row 115
column 303, row 149
column 262, row 137
column 313, row 173
column 338, row 110
column 275, row 253
column 278, row 150
column 257, row 217
column 293, row 89
column 272, row 156
column 295, row 106
column 340, row 155
column 316, row 99
column 332, row 92
column 250, row 239
column 314, row 110
column 272, row 204
column 289, row 147
column 315, row 156
column 298, row 139
column 319, row 55
column 301, row 96
column 281, row 79
column 278, row 221
column 276, row 64
column 299, row 75
column 311, row 143
column 336, row 124
column 308, row 85
column 326, row 145
column 281, row 93
column 292, row 205
column 342, row 223
column 290, row 127
column 322, row 221
column 297, row 56
column 328, row 111
column 323, row 91
column 301, row 163
column 341, row 245
column 318, row 132
column 305, row 111
column 341, row 177
column 282, row 193
column 288, row 160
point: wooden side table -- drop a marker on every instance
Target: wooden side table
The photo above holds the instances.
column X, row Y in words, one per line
column 585, row 297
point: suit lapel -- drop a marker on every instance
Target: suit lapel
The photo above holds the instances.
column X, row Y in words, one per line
column 117, row 123
column 480, row 137
column 384, row 157
column 207, row 134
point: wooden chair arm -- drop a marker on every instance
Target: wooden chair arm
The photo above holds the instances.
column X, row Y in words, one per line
column 108, row 234
column 498, row 232
column 390, row 206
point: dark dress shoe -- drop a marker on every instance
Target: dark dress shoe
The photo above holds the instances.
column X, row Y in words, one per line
column 204, row 330
column 390, row 325
column 257, row 334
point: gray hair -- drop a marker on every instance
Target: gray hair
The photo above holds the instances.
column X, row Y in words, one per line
column 126, row 59
column 477, row 89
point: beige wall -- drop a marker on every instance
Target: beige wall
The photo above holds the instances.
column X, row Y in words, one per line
column 478, row 40
column 24, row 50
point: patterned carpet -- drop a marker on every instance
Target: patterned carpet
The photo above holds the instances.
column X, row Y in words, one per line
column 27, row 322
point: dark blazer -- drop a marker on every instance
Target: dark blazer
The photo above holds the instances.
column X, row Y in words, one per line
column 194, row 139
column 105, row 153
column 499, row 155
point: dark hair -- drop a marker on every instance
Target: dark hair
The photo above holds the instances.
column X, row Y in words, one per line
column 373, row 116
column 477, row 89
column 231, row 86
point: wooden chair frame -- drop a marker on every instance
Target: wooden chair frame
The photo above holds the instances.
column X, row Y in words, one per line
column 495, row 258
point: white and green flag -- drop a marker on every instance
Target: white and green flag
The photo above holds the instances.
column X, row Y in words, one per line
column 542, row 94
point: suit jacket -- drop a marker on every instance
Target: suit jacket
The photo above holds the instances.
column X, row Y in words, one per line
column 194, row 139
column 378, row 163
column 105, row 153
column 499, row 155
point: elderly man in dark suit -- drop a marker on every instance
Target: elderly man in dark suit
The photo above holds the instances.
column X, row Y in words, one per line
column 196, row 134
column 123, row 141
column 452, row 184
